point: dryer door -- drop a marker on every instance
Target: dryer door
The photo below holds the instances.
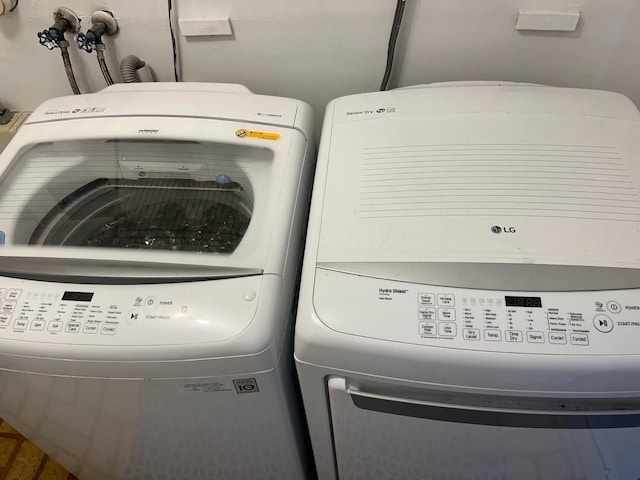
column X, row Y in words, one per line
column 387, row 437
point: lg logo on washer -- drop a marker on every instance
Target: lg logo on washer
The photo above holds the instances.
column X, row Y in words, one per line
column 499, row 229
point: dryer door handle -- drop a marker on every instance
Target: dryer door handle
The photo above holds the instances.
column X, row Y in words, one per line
column 502, row 417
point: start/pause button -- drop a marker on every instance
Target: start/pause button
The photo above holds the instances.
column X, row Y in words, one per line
column 602, row 323
column 134, row 316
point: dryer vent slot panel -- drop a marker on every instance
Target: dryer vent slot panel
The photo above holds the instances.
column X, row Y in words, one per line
column 547, row 181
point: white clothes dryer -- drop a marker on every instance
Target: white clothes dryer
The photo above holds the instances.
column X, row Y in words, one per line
column 151, row 239
column 470, row 296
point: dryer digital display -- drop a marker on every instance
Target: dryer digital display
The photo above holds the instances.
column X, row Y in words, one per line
column 77, row 296
column 526, row 302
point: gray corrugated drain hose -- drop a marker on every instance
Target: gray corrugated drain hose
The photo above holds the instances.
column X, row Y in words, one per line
column 128, row 68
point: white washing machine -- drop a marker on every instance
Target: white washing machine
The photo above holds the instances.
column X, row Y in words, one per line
column 470, row 297
column 151, row 239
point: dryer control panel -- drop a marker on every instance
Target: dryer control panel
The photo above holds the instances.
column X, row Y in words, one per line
column 594, row 322
column 170, row 313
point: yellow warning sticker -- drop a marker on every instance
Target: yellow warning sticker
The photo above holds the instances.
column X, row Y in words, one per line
column 253, row 134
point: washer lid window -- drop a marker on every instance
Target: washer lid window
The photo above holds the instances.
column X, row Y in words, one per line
column 154, row 199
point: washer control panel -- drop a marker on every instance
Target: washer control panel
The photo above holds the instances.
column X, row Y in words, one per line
column 601, row 322
column 190, row 312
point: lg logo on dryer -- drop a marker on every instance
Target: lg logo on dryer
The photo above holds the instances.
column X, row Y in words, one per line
column 499, row 229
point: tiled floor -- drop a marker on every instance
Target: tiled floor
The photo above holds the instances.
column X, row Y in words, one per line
column 22, row 460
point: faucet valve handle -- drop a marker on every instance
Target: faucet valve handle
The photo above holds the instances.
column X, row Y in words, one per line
column 64, row 20
column 49, row 39
column 86, row 42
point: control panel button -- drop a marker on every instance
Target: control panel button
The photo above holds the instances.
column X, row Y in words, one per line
column 55, row 326
column 91, row 328
column 108, row 329
column 425, row 313
column 579, row 339
column 5, row 320
column 513, row 336
column 8, row 307
column 428, row 299
column 150, row 302
column 429, row 329
column 134, row 316
column 558, row 338
column 73, row 327
column 471, row 334
column 493, row 335
column 535, row 337
column 20, row 325
column 3, row 292
column 13, row 294
column 614, row 307
column 446, row 300
column 37, row 325
column 447, row 314
column 602, row 323
column 447, row 329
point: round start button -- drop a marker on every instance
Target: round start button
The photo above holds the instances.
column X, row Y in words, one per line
column 603, row 323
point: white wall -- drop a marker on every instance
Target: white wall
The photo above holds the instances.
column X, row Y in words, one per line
column 319, row 50
column 477, row 40
column 29, row 73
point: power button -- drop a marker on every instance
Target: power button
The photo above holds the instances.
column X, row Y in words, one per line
column 614, row 307
column 150, row 302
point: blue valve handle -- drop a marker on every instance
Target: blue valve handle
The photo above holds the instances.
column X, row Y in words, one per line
column 48, row 40
column 52, row 36
column 86, row 43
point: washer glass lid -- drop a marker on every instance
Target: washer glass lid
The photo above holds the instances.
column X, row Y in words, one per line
column 149, row 195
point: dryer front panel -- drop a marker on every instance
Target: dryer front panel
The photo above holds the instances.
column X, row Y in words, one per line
column 379, row 436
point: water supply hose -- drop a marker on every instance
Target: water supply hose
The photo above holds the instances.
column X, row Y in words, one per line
column 53, row 37
column 64, row 51
column 103, row 63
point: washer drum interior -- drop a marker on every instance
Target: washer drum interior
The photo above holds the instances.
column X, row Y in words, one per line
column 165, row 214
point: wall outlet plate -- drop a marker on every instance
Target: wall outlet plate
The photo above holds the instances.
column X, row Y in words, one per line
column 198, row 27
column 547, row 20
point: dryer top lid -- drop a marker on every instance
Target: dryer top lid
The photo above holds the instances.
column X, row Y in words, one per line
column 488, row 173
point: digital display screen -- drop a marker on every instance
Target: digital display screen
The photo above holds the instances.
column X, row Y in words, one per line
column 526, row 302
column 77, row 296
